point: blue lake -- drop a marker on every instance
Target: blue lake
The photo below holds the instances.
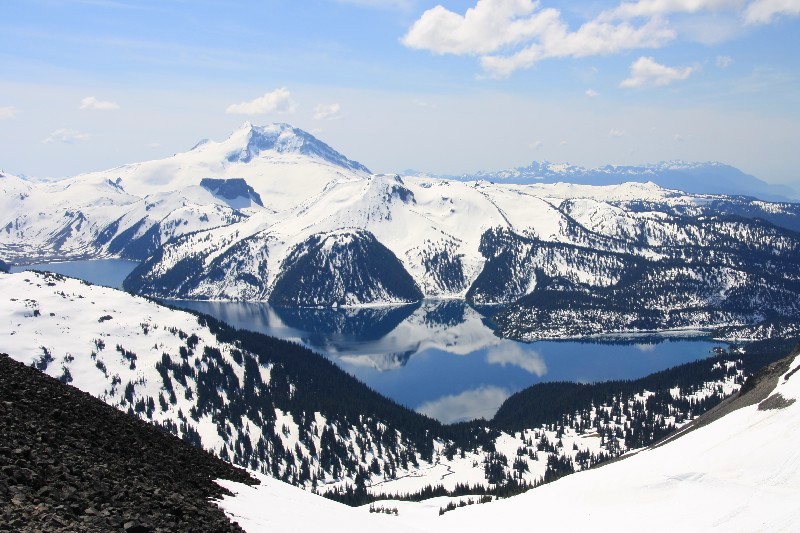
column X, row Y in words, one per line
column 438, row 357
column 106, row 272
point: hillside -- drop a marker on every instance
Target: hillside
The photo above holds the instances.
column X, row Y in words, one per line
column 69, row 462
column 282, row 410
column 739, row 472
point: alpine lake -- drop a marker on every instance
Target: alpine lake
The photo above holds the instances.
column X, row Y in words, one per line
column 439, row 357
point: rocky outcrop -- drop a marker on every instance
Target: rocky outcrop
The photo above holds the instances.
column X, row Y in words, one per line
column 69, row 462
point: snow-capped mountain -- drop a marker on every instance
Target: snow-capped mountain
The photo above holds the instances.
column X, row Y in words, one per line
column 271, row 213
column 501, row 244
column 283, row 164
column 132, row 209
column 696, row 178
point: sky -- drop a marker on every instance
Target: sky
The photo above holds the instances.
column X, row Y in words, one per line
column 453, row 86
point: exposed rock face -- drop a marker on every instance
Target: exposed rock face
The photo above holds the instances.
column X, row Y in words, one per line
column 231, row 189
column 69, row 462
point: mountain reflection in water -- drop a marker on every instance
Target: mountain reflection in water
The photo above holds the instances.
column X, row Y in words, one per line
column 441, row 357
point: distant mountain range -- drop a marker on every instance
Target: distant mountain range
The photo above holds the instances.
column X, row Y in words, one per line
column 274, row 214
column 695, row 178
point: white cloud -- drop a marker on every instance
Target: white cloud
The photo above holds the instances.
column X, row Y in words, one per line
column 482, row 402
column 277, row 101
column 8, row 112
column 616, row 133
column 678, row 138
column 488, row 26
column 328, row 112
column 535, row 145
column 66, row 135
column 493, row 26
column 593, row 38
column 724, row 61
column 645, row 72
column 591, row 93
column 512, row 354
column 765, row 11
column 90, row 102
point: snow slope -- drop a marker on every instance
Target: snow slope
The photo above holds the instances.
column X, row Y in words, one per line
column 738, row 473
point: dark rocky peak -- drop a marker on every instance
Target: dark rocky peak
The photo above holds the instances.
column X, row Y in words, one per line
column 231, row 189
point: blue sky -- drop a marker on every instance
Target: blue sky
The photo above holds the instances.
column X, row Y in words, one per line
column 448, row 86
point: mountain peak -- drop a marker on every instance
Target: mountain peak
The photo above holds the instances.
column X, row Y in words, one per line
column 250, row 141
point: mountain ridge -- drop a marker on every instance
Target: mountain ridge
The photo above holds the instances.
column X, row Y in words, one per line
column 710, row 177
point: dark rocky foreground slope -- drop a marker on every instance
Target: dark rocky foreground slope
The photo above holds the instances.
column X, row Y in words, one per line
column 69, row 462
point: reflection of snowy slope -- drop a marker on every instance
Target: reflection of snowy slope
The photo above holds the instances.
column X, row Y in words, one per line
column 447, row 325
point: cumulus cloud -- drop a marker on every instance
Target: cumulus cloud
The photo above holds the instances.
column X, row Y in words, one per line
column 92, row 103
column 482, row 402
column 724, row 61
column 616, row 133
column 591, row 93
column 328, row 112
column 765, row 11
column 277, row 101
column 66, row 135
column 493, row 27
column 508, row 35
column 535, row 145
column 645, row 72
column 488, row 26
column 8, row 112
column 512, row 354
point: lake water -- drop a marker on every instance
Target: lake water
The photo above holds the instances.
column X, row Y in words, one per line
column 106, row 272
column 439, row 357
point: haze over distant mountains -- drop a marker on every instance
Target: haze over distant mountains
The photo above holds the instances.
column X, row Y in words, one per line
column 695, row 178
